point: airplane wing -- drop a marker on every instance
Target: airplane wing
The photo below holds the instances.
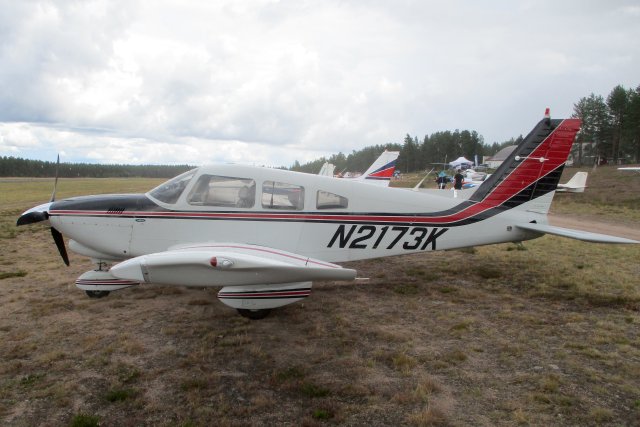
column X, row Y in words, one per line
column 574, row 234
column 227, row 264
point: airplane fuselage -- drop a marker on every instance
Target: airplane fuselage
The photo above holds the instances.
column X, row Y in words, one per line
column 369, row 222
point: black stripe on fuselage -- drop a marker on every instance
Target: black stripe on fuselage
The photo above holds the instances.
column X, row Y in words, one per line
column 115, row 203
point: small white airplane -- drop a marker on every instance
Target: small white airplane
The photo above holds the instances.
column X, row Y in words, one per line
column 576, row 184
column 379, row 173
column 263, row 235
column 474, row 176
column 474, row 180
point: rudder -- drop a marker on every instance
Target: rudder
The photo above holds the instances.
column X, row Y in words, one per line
column 534, row 168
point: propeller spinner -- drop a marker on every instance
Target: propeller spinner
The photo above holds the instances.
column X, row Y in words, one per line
column 41, row 213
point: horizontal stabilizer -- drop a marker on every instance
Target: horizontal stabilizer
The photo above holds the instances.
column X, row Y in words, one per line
column 574, row 234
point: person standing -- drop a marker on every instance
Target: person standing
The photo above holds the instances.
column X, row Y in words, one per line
column 457, row 180
column 441, row 180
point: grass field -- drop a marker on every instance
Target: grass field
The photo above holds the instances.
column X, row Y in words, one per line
column 541, row 334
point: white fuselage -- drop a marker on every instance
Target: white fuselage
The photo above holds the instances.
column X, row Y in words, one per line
column 376, row 221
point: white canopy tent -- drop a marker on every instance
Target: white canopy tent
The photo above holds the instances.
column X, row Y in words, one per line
column 460, row 161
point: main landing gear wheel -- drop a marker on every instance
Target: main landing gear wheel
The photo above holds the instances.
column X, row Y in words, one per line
column 97, row 294
column 254, row 314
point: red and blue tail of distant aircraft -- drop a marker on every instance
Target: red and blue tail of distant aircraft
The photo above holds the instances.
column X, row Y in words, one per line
column 381, row 171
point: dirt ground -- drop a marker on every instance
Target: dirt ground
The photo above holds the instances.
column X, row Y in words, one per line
column 541, row 334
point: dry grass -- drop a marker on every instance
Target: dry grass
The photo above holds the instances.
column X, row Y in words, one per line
column 495, row 336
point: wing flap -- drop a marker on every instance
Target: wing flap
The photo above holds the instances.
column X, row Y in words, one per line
column 227, row 264
column 574, row 234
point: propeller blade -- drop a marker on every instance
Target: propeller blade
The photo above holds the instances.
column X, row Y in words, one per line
column 55, row 183
column 57, row 237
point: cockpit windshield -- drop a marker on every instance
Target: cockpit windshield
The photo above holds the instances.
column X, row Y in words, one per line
column 170, row 191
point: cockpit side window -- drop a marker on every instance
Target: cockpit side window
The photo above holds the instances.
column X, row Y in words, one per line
column 224, row 191
column 170, row 191
column 280, row 195
column 326, row 200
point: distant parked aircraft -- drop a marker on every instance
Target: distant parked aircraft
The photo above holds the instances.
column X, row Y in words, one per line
column 576, row 184
column 379, row 173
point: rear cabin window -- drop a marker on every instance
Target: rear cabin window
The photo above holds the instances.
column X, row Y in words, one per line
column 326, row 200
column 224, row 191
column 280, row 195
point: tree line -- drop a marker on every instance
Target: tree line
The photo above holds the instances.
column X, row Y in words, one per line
column 415, row 155
column 15, row 166
column 610, row 127
column 610, row 133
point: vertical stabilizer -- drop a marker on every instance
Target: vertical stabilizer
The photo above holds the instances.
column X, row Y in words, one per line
column 327, row 169
column 576, row 184
column 533, row 169
column 381, row 171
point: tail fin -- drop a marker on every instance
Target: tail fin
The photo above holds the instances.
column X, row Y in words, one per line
column 533, row 169
column 327, row 169
column 576, row 184
column 381, row 171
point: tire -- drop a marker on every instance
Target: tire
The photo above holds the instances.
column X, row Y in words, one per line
column 97, row 294
column 254, row 314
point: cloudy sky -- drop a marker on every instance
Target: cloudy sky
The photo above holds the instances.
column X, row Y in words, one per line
column 269, row 82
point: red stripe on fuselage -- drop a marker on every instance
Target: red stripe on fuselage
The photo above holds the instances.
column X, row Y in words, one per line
column 267, row 216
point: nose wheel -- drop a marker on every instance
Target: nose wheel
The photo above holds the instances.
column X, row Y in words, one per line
column 97, row 294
